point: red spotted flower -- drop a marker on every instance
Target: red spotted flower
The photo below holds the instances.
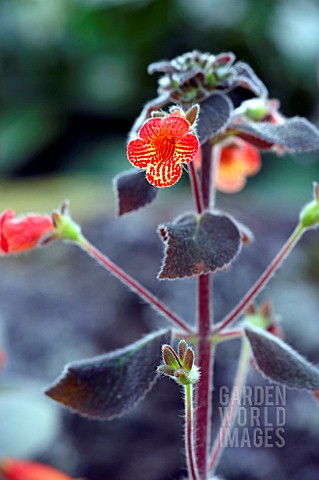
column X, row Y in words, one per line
column 164, row 143
column 12, row 469
column 22, row 233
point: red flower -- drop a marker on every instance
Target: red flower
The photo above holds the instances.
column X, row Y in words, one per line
column 163, row 144
column 24, row 233
column 12, row 469
column 238, row 160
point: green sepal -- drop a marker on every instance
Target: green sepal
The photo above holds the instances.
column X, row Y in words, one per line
column 65, row 226
column 309, row 215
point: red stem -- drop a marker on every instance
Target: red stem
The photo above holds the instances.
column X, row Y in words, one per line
column 195, row 187
column 204, row 386
column 206, row 180
column 130, row 282
column 262, row 281
column 204, row 349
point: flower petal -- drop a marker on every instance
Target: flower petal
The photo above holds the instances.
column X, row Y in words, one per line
column 252, row 159
column 230, row 183
column 164, row 174
column 151, row 128
column 186, row 149
column 231, row 172
column 175, row 126
column 13, row 469
column 140, row 153
column 24, row 233
column 5, row 216
column 238, row 159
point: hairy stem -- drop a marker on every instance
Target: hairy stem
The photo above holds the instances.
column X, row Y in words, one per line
column 263, row 279
column 232, row 409
column 134, row 285
column 204, row 347
column 195, row 187
column 204, row 386
column 206, row 177
column 189, row 433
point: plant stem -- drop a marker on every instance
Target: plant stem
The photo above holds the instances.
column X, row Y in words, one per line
column 263, row 279
column 206, row 180
column 134, row 285
column 195, row 187
column 204, row 348
column 189, row 433
column 232, row 409
column 215, row 154
column 227, row 335
column 204, row 386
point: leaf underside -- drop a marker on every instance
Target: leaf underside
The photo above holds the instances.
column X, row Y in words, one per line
column 109, row 385
column 214, row 114
column 279, row 362
column 133, row 191
column 296, row 134
column 198, row 244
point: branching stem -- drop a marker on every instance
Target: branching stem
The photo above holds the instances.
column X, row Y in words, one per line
column 263, row 279
column 232, row 409
column 134, row 285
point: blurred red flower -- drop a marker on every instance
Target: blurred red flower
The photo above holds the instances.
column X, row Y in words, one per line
column 12, row 469
column 22, row 233
column 164, row 143
column 238, row 160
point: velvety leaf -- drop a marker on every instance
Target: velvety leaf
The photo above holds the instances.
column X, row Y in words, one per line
column 297, row 134
column 133, row 191
column 279, row 362
column 247, row 78
column 109, row 385
column 198, row 244
column 163, row 66
column 214, row 115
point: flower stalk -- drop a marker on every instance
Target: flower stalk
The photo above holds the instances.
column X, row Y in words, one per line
column 204, row 349
column 263, row 279
column 189, row 433
column 230, row 416
column 134, row 285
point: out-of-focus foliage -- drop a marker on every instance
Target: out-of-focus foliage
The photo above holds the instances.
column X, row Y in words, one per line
column 73, row 72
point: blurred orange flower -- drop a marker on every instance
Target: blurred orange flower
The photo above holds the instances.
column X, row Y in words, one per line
column 164, row 143
column 22, row 233
column 238, row 160
column 12, row 469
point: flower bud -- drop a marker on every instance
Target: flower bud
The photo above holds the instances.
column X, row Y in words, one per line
column 309, row 215
column 18, row 234
column 180, row 367
column 65, row 227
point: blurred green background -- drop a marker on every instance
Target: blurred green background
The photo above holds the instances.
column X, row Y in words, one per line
column 73, row 78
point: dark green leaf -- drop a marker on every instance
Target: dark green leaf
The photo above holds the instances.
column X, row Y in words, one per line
column 296, row 134
column 198, row 244
column 214, row 115
column 279, row 362
column 109, row 385
column 133, row 191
